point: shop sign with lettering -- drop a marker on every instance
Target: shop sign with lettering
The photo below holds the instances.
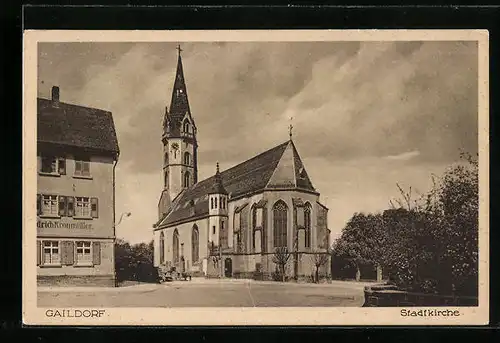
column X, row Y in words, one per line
column 55, row 224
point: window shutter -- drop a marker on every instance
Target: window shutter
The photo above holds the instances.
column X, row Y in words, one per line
column 96, row 253
column 42, row 255
column 62, row 166
column 70, row 203
column 78, row 167
column 38, row 253
column 68, row 253
column 95, row 207
column 62, row 206
column 38, row 204
column 86, row 168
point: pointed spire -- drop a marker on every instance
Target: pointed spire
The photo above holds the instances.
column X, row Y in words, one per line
column 217, row 187
column 179, row 104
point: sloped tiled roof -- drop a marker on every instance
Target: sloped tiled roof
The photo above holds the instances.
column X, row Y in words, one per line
column 78, row 126
column 179, row 104
column 284, row 173
column 250, row 176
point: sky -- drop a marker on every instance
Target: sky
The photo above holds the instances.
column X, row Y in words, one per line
column 365, row 115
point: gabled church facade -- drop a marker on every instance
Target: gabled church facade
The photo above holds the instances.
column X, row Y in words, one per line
column 231, row 223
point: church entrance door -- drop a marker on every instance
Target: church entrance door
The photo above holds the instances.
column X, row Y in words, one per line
column 228, row 267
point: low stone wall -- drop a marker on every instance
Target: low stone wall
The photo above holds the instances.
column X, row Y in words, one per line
column 390, row 296
column 76, row 281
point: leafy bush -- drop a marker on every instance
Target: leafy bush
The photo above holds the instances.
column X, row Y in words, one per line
column 135, row 263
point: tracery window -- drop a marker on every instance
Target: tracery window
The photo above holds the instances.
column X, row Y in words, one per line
column 307, row 225
column 280, row 215
column 175, row 246
column 162, row 248
column 195, row 244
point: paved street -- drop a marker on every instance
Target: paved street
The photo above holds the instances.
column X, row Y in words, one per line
column 207, row 293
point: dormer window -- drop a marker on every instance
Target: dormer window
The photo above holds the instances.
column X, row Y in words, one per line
column 186, row 127
column 302, row 173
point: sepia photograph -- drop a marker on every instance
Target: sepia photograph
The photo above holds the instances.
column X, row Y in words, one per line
column 210, row 176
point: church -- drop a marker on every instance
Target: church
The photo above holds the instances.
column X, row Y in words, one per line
column 231, row 224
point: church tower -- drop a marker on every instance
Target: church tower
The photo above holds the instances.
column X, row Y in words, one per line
column 180, row 169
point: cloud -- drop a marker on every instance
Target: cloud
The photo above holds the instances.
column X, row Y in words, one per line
column 353, row 105
column 403, row 156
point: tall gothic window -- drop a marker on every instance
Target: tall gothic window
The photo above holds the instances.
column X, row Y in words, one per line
column 162, row 248
column 166, row 178
column 186, row 179
column 186, row 126
column 175, row 246
column 239, row 242
column 280, row 214
column 195, row 244
column 254, row 224
column 263, row 234
column 187, row 158
column 307, row 225
column 165, row 158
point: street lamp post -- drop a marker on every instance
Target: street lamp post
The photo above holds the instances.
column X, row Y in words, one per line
column 126, row 214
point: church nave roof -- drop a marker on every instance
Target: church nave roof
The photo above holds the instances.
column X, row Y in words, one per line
column 276, row 168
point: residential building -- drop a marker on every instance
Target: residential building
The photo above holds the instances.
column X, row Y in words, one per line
column 77, row 152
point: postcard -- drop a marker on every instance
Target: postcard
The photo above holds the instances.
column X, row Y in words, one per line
column 258, row 177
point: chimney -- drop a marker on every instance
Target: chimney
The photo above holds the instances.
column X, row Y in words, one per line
column 55, row 96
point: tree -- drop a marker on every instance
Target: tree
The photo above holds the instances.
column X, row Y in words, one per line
column 432, row 246
column 134, row 262
column 361, row 241
column 428, row 244
column 281, row 256
column 458, row 211
column 319, row 259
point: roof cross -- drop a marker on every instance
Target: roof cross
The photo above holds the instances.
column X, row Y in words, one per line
column 179, row 49
column 290, row 130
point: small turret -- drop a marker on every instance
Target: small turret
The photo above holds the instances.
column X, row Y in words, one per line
column 217, row 187
column 218, row 210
